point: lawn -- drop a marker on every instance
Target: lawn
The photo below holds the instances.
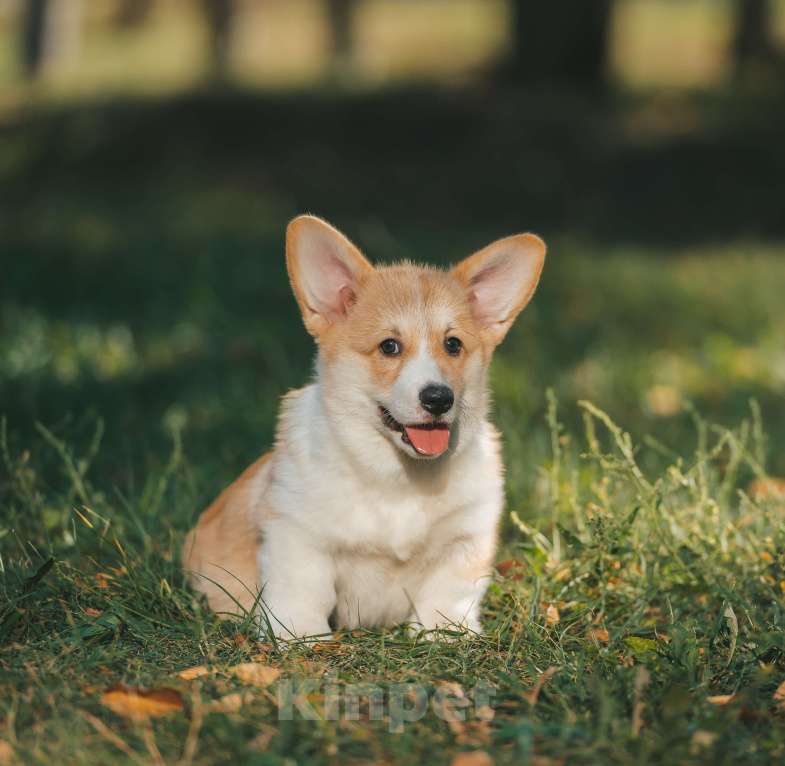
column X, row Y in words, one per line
column 147, row 331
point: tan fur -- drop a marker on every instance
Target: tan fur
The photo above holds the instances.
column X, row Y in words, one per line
column 219, row 554
column 383, row 309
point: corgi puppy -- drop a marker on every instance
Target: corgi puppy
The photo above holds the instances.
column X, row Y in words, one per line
column 380, row 501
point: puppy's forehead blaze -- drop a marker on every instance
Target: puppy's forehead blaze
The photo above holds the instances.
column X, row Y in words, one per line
column 410, row 300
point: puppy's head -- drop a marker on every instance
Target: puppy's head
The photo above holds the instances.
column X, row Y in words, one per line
column 404, row 349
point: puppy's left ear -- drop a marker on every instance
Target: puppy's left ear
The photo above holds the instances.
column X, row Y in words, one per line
column 325, row 270
column 500, row 280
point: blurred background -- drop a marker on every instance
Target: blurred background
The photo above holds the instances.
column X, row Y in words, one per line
column 152, row 151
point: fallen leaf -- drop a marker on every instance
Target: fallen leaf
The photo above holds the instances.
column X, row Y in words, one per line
column 195, row 672
column 533, row 694
column 599, row 634
column 230, row 703
column 6, row 752
column 721, row 699
column 263, row 738
column 484, row 713
column 140, row 704
column 508, row 567
column 90, row 612
column 701, row 739
column 328, row 646
column 779, row 696
column 102, row 580
column 770, row 488
column 255, row 674
column 472, row 758
column 552, row 616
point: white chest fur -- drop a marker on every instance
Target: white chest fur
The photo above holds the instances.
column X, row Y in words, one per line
column 372, row 539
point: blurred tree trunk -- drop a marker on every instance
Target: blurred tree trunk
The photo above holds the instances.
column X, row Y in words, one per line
column 50, row 32
column 561, row 41
column 340, row 14
column 219, row 15
column 133, row 13
column 752, row 40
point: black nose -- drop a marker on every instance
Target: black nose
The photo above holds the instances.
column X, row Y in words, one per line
column 437, row 399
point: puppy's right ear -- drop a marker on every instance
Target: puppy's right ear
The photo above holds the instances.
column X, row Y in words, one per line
column 325, row 270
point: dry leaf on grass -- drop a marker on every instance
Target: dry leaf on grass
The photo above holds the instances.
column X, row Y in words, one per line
column 701, row 739
column 141, row 704
column 770, row 488
column 721, row 699
column 102, row 580
column 472, row 758
column 195, row 672
column 6, row 752
column 328, row 647
column 779, row 697
column 533, row 694
column 255, row 674
column 230, row 703
column 263, row 738
column 510, row 568
column 552, row 616
column 599, row 634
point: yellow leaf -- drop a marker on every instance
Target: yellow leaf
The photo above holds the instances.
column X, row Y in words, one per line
column 6, row 752
column 255, row 674
column 533, row 694
column 767, row 489
column 552, row 615
column 230, row 703
column 195, row 672
column 701, row 739
column 473, row 758
column 510, row 568
column 141, row 704
column 779, row 696
column 721, row 699
column 102, row 580
column 599, row 634
column 328, row 647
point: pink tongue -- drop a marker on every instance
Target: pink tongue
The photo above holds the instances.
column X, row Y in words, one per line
column 429, row 441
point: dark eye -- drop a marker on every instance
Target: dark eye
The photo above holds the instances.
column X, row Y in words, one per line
column 453, row 346
column 390, row 347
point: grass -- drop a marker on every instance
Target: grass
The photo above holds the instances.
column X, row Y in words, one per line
column 649, row 607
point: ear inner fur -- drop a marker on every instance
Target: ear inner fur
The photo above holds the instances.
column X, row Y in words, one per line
column 325, row 271
column 500, row 280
